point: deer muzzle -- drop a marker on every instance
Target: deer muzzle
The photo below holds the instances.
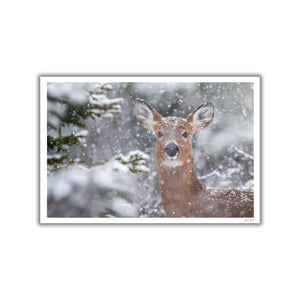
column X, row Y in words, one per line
column 171, row 150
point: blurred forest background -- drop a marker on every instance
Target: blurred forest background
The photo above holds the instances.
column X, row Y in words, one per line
column 101, row 163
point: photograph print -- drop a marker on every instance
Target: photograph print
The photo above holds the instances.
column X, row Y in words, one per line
column 150, row 149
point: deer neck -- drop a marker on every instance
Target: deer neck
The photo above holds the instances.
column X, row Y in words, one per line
column 179, row 188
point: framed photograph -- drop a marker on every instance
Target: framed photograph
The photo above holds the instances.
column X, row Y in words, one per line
column 150, row 149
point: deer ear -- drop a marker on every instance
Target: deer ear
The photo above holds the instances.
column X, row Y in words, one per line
column 145, row 114
column 202, row 116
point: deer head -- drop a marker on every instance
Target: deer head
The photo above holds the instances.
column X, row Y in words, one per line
column 173, row 134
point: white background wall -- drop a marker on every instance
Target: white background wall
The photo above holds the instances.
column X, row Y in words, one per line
column 132, row 38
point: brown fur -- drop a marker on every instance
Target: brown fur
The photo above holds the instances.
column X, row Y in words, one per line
column 181, row 192
column 184, row 196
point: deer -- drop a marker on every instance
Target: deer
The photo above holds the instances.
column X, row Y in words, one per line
column 182, row 194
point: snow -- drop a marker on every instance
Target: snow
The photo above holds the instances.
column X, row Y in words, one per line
column 135, row 153
column 134, row 160
column 68, row 92
column 142, row 169
column 63, row 188
column 108, row 115
column 80, row 187
column 56, row 156
column 110, row 177
column 123, row 208
column 104, row 100
column 246, row 155
column 81, row 133
column 61, row 184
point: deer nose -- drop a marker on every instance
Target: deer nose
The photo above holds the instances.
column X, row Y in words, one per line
column 171, row 149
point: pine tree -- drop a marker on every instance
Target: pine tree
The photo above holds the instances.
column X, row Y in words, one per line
column 67, row 114
column 79, row 186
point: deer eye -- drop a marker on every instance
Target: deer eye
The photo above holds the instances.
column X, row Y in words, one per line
column 185, row 134
column 160, row 134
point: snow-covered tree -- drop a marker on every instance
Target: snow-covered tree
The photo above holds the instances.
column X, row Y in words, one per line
column 78, row 184
column 69, row 106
